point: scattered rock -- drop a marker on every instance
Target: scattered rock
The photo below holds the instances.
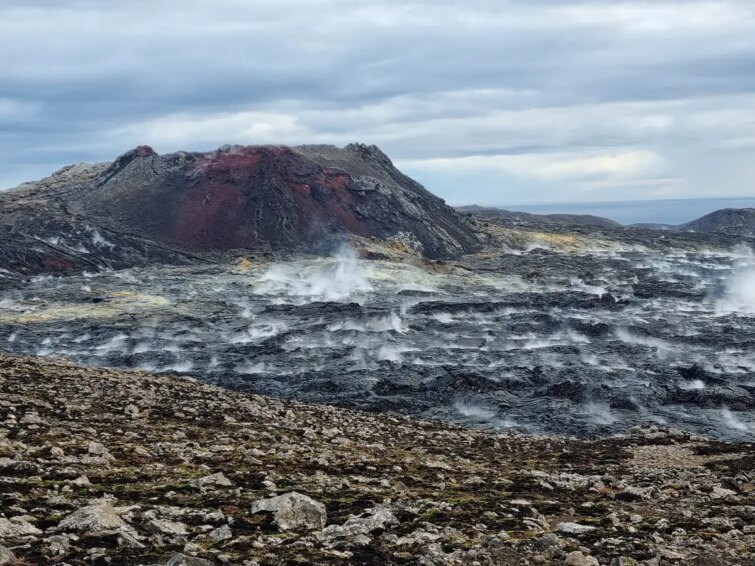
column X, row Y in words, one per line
column 391, row 507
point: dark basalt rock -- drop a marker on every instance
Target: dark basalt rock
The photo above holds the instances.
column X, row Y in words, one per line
column 144, row 207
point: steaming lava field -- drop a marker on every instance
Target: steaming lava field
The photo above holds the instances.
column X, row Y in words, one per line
column 563, row 333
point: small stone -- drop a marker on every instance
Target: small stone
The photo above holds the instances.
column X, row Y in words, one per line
column 192, row 548
column 573, row 528
column 59, row 544
column 169, row 528
column 670, row 555
column 97, row 449
column 722, row 493
column 634, row 494
column 221, row 533
column 127, row 539
column 182, row 560
column 81, row 481
column 378, row 518
column 10, row 467
column 546, row 541
column 213, row 480
column 31, row 417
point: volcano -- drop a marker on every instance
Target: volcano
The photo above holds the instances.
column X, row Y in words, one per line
column 144, row 207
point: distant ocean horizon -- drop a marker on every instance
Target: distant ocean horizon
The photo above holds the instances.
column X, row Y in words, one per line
column 662, row 211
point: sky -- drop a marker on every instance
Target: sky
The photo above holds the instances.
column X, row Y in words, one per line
column 495, row 102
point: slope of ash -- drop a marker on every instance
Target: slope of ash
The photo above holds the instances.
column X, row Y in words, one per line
column 103, row 467
column 148, row 208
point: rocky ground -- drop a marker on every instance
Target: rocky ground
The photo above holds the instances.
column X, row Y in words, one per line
column 106, row 467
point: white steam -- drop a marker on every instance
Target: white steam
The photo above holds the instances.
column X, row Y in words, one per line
column 475, row 411
column 739, row 295
column 740, row 292
column 731, row 421
column 337, row 279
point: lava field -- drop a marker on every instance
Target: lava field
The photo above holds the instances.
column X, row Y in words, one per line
column 587, row 343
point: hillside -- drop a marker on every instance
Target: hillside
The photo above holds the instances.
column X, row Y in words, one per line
column 727, row 221
column 144, row 208
column 732, row 221
column 99, row 466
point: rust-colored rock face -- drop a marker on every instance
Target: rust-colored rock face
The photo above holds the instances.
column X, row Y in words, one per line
column 269, row 197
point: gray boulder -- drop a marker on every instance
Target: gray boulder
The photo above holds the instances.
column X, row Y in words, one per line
column 293, row 511
column 573, row 528
column 221, row 534
column 99, row 516
column 213, row 480
column 6, row 556
column 378, row 519
column 182, row 560
column 170, row 528
column 17, row 527
column 578, row 558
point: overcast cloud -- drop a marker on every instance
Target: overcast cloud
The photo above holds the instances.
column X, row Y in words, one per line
column 488, row 101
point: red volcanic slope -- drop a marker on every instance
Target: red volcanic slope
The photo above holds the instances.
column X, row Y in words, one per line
column 270, row 197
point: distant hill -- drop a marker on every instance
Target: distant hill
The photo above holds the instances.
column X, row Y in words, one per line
column 731, row 221
column 525, row 218
column 728, row 221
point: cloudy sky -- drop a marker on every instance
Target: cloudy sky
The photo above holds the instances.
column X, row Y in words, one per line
column 490, row 101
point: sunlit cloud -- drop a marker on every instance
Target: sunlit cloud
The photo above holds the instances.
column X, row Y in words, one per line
column 504, row 101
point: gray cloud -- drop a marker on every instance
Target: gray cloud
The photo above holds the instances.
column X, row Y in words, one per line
column 496, row 101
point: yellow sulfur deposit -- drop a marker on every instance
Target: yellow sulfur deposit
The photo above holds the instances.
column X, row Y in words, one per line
column 117, row 304
column 243, row 263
